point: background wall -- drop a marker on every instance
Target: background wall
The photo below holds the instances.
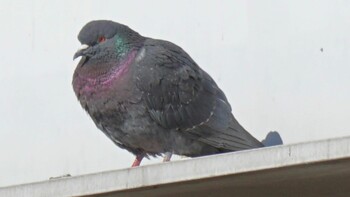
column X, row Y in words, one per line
column 284, row 65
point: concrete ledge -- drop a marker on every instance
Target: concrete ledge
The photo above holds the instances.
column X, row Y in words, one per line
column 319, row 168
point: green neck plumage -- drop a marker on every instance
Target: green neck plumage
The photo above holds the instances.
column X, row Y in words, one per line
column 120, row 45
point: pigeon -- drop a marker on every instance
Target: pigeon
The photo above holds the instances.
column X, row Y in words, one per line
column 151, row 98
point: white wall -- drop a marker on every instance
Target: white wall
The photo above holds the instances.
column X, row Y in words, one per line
column 264, row 54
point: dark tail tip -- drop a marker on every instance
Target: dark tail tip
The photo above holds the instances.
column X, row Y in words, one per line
column 273, row 138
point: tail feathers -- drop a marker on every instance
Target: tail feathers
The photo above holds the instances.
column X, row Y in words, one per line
column 273, row 138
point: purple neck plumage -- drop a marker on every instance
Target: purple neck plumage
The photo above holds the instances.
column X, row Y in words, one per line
column 93, row 84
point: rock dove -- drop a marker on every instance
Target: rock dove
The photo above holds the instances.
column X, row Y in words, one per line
column 150, row 98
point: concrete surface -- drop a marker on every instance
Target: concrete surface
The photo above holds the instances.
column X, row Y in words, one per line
column 319, row 168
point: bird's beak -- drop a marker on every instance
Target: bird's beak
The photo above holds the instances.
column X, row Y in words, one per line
column 81, row 51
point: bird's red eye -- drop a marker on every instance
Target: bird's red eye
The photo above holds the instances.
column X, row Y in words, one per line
column 101, row 39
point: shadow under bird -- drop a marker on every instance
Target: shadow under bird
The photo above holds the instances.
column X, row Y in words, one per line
column 150, row 98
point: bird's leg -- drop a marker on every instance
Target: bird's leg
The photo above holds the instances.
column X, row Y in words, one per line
column 138, row 160
column 167, row 156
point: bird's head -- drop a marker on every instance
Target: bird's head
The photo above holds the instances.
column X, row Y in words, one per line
column 104, row 38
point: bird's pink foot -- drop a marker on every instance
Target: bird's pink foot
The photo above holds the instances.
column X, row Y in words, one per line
column 138, row 160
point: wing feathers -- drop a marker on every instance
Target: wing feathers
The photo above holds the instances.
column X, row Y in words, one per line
column 181, row 96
